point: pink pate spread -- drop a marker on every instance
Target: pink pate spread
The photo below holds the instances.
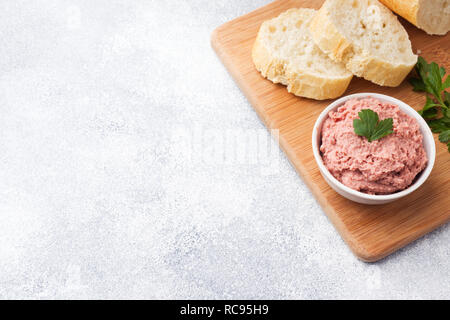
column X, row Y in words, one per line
column 382, row 166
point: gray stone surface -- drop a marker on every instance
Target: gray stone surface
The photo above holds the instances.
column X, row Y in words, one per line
column 98, row 199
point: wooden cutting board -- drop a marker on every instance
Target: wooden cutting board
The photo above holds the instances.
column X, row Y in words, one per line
column 372, row 232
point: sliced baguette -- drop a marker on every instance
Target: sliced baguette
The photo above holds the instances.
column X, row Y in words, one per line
column 432, row 16
column 284, row 53
column 365, row 36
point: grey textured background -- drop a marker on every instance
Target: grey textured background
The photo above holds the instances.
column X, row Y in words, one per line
column 94, row 201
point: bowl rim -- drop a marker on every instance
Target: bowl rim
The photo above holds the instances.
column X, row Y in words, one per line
column 426, row 132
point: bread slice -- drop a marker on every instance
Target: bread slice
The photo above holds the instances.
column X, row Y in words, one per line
column 284, row 53
column 365, row 36
column 432, row 16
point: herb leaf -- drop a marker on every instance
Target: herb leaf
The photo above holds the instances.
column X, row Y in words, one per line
column 418, row 85
column 369, row 126
column 439, row 125
column 434, row 80
column 446, row 83
column 447, row 98
column 430, row 110
column 445, row 136
column 383, row 129
column 437, row 107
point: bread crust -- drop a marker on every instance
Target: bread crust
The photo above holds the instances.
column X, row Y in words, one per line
column 302, row 84
column 415, row 12
column 357, row 60
column 406, row 8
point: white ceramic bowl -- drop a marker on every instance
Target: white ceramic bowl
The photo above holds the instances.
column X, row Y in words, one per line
column 361, row 197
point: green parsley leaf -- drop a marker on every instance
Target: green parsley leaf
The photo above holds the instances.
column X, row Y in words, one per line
column 430, row 110
column 434, row 80
column 447, row 97
column 446, row 83
column 437, row 107
column 418, row 85
column 369, row 126
column 445, row 136
column 439, row 125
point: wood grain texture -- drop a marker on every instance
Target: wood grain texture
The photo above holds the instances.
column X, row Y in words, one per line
column 372, row 232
